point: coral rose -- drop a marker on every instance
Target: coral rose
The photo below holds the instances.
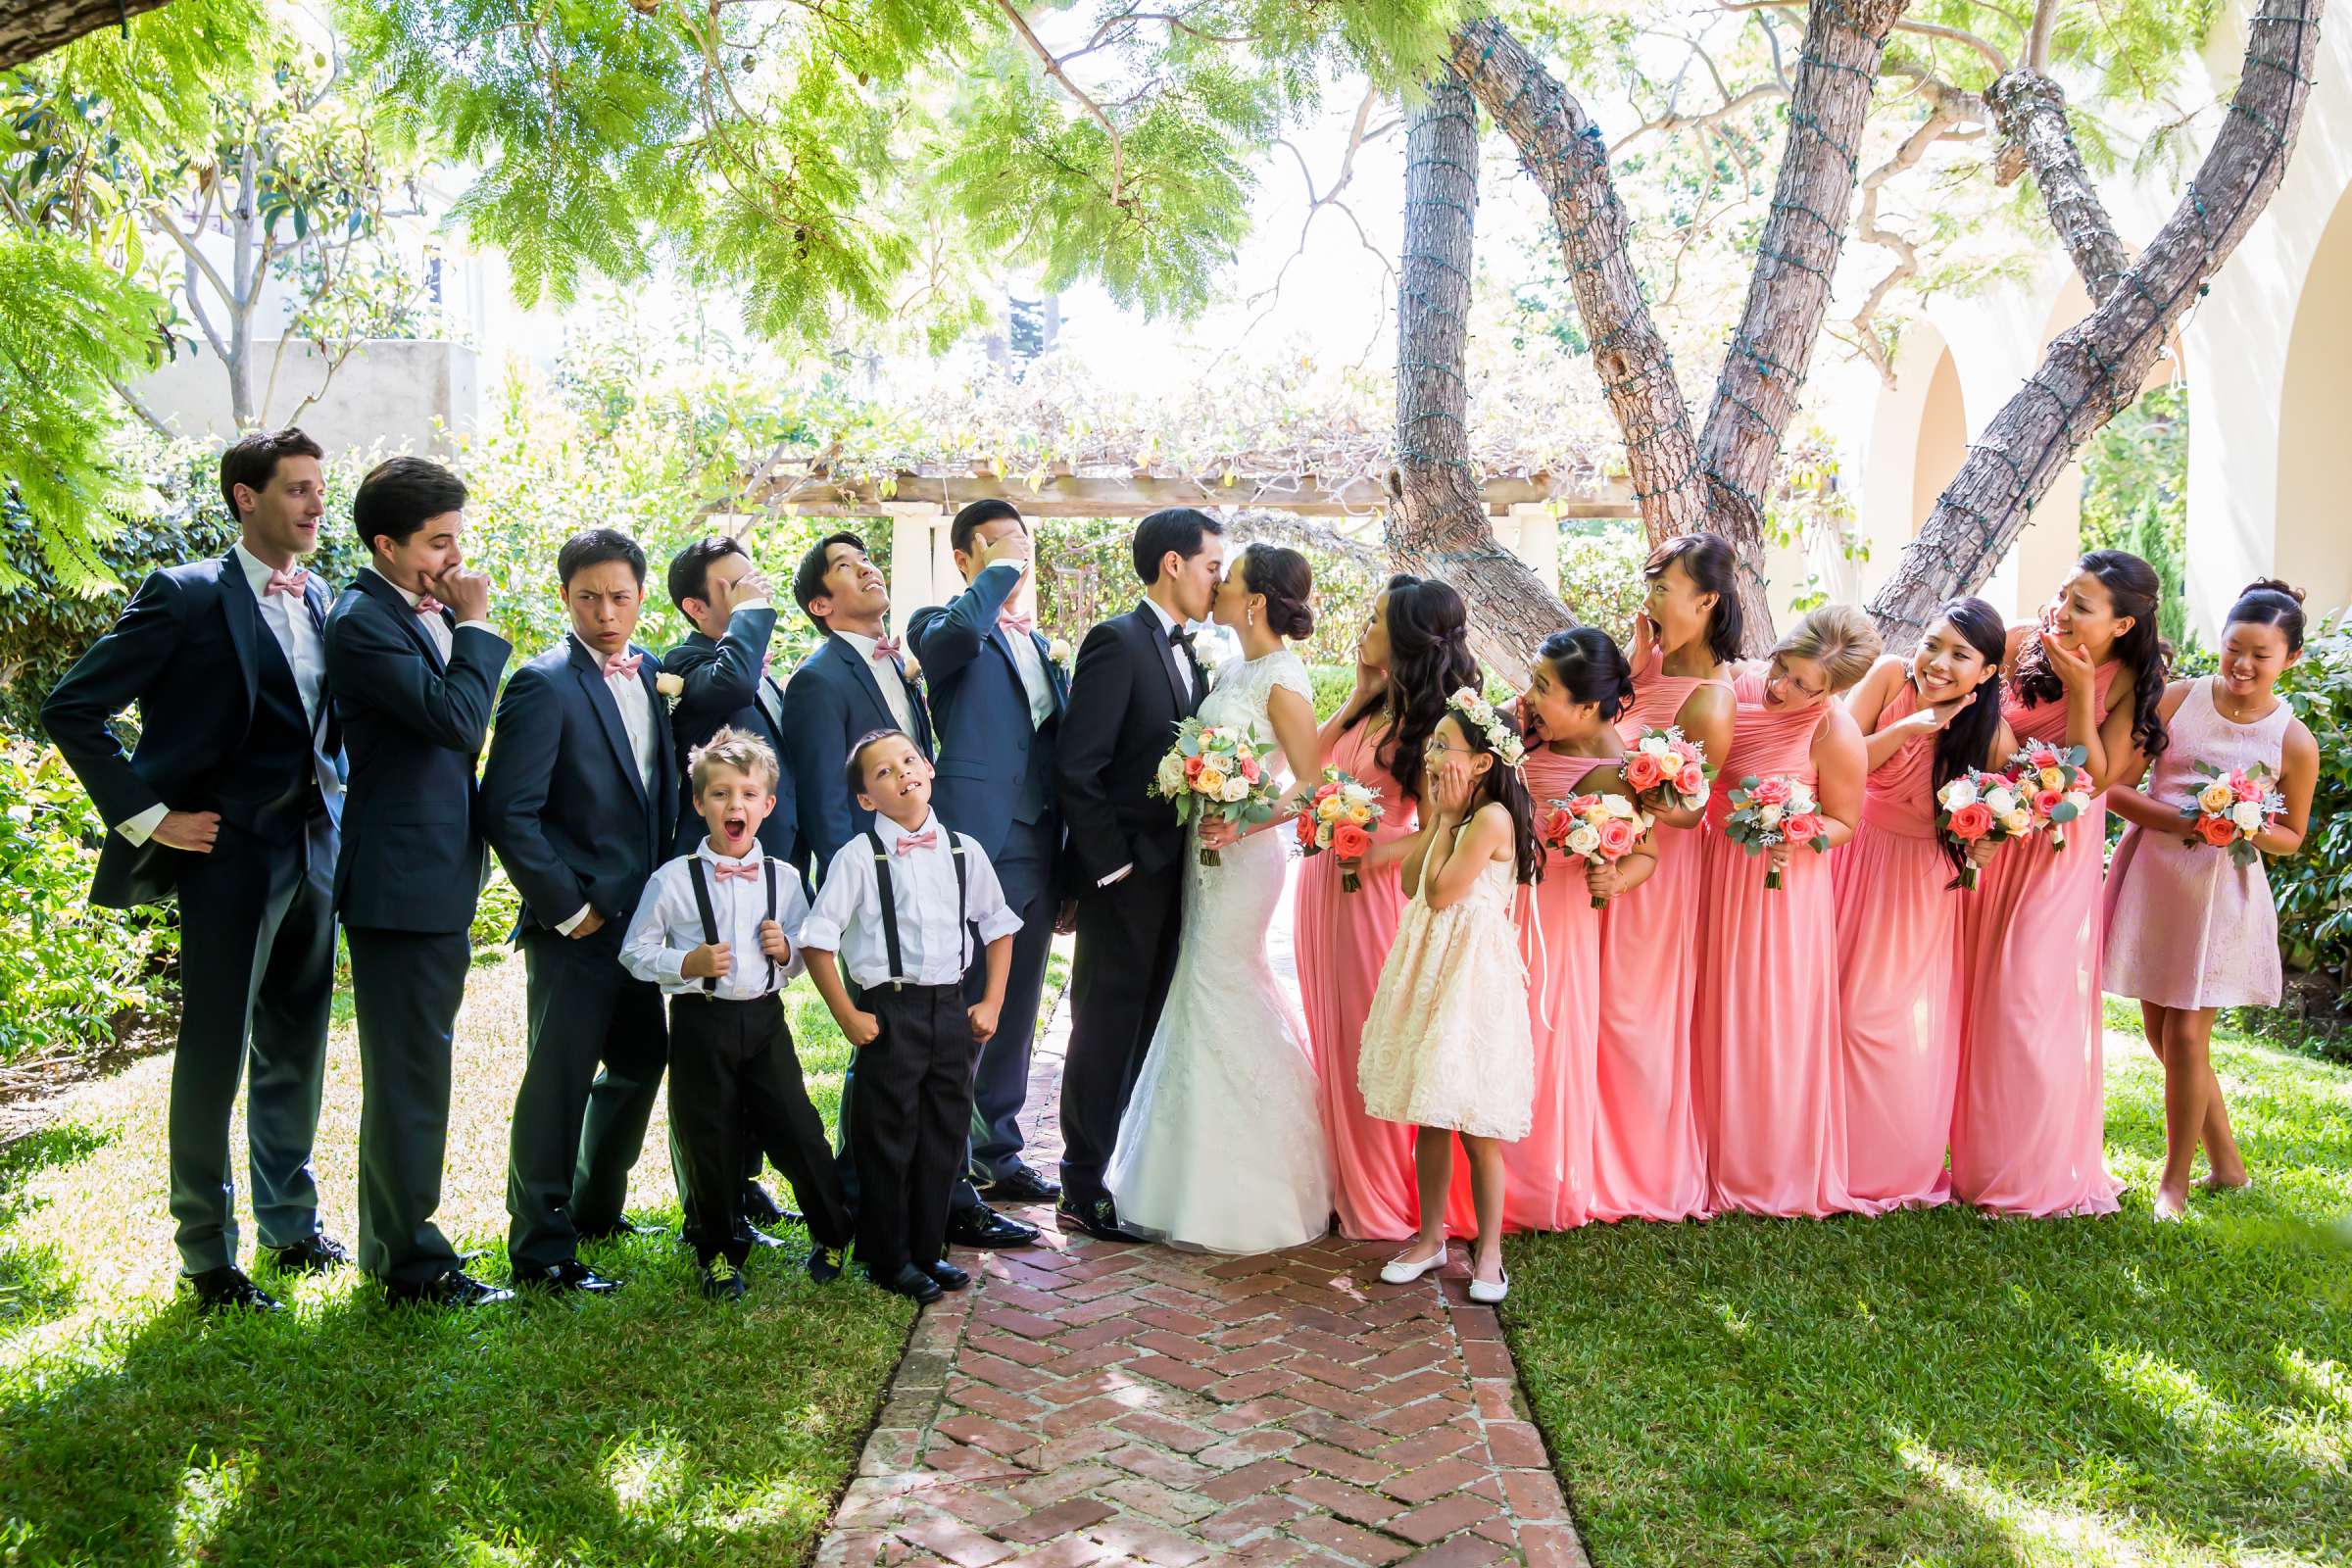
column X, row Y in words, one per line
column 1348, row 841
column 1803, row 827
column 1970, row 822
column 1691, row 780
column 1617, row 837
column 2047, row 800
column 2216, row 831
column 1770, row 792
column 1641, row 771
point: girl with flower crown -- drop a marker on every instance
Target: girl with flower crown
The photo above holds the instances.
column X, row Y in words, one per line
column 1446, row 1047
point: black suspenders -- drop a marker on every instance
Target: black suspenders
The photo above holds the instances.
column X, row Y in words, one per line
column 702, row 906
column 889, row 907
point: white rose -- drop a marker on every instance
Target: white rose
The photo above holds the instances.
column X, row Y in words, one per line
column 2080, row 801
column 2247, row 814
column 1768, row 815
column 668, row 685
column 1058, row 650
column 1958, row 793
column 1171, row 774
column 1357, row 795
column 1617, row 805
column 2002, row 801
column 1237, row 788
column 1583, row 840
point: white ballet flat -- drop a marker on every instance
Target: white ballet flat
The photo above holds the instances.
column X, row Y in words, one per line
column 1401, row 1270
column 1485, row 1295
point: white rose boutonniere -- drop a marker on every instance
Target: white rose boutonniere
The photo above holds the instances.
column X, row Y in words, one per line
column 1058, row 650
column 668, row 685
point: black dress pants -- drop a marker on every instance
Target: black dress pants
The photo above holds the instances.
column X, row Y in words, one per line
column 1119, row 977
column 733, row 1075
column 407, row 987
column 914, row 1106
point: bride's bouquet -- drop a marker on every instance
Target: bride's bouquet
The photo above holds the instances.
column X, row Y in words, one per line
column 1340, row 817
column 1215, row 769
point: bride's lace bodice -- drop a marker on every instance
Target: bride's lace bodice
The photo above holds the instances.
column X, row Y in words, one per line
column 1242, row 685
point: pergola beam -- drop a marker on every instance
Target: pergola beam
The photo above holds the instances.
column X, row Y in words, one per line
column 1069, row 496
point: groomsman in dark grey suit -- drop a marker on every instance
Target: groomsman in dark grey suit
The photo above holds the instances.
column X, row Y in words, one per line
column 229, row 803
column 415, row 668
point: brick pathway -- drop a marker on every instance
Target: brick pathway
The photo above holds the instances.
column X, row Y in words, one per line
column 1091, row 1403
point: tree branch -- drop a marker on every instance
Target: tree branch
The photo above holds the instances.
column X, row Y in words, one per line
column 1943, row 124
column 141, row 406
column 2096, row 367
column 31, row 30
column 1560, row 145
column 2030, row 110
column 1044, row 56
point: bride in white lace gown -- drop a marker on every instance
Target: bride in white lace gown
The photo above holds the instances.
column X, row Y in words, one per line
column 1222, row 1146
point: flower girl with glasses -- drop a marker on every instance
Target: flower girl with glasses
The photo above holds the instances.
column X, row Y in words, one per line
column 1447, row 1047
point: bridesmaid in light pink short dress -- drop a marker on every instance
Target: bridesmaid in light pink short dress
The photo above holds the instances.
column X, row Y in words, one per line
column 1933, row 713
column 2029, row 1124
column 1414, row 651
column 1647, row 1162
column 1765, row 1037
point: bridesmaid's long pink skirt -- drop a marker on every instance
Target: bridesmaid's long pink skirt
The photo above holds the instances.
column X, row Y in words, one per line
column 1898, row 1000
column 1647, row 1162
column 1342, row 939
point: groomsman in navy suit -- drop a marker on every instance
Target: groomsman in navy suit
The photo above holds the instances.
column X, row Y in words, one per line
column 580, row 800
column 415, row 668
column 230, row 802
column 855, row 683
column 998, row 696
column 722, row 667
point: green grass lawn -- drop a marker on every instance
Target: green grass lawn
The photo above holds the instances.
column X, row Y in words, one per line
column 648, row 1428
column 1943, row 1389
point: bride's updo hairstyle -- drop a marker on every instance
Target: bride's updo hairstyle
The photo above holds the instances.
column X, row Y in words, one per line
column 1429, row 659
column 1283, row 575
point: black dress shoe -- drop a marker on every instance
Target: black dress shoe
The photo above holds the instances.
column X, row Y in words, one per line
column 983, row 1227
column 451, row 1288
column 722, row 1280
column 1099, row 1219
column 312, row 1254
column 756, row 1237
column 227, row 1290
column 948, row 1275
column 1021, row 1185
column 909, row 1281
column 570, row 1276
column 616, row 1229
column 761, row 1207
column 825, row 1263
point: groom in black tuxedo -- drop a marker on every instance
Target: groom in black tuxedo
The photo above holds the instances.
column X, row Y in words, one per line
column 230, row 803
column 1137, row 679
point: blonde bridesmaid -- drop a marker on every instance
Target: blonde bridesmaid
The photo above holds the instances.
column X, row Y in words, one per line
column 2189, row 928
column 1413, row 651
column 1647, row 1162
column 2028, row 1123
column 1765, row 1038
column 1925, row 719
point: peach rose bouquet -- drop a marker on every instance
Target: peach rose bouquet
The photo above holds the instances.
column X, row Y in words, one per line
column 2054, row 784
column 1597, row 829
column 1340, row 817
column 1773, row 811
column 1215, row 769
column 1979, row 806
column 1670, row 764
column 2230, row 808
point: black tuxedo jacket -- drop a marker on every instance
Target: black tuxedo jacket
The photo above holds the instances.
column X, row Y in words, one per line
column 562, row 802
column 989, row 755
column 831, row 699
column 1126, row 700
column 187, row 650
column 413, row 856
column 727, row 688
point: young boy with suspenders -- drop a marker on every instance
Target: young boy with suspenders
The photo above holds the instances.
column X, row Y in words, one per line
column 714, row 930
column 899, row 906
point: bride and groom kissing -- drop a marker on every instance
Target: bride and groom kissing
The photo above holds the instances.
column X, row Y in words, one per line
column 1188, row 1106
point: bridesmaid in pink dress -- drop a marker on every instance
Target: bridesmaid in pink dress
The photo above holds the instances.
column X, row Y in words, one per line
column 1764, row 1036
column 1927, row 719
column 1414, row 651
column 1647, row 1162
column 2029, row 1124
column 2189, row 929
column 1579, row 686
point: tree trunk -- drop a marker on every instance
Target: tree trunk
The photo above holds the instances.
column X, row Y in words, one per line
column 1437, row 524
column 1560, row 145
column 1788, row 294
column 2095, row 369
column 33, row 27
column 2030, row 110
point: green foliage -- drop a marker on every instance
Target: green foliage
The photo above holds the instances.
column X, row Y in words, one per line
column 2314, row 889
column 2136, row 494
column 1601, row 574
column 68, row 968
column 494, row 915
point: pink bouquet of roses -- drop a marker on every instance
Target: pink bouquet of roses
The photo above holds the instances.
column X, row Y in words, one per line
column 1215, row 769
column 1979, row 806
column 2232, row 808
column 1776, row 810
column 2054, row 785
column 1597, row 829
column 1667, row 762
column 1340, row 817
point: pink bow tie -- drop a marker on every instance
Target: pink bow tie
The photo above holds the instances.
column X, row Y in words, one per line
column 723, row 871
column 427, row 605
column 623, row 665
column 287, row 582
column 928, row 838
column 886, row 650
column 1012, row 620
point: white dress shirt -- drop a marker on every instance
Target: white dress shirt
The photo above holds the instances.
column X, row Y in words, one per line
column 669, row 926
column 288, row 617
column 439, row 630
column 637, row 719
column 887, row 676
column 1167, row 624
column 933, row 949
column 1031, row 666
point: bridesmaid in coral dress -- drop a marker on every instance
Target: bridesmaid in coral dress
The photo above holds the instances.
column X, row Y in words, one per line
column 1764, row 1034
column 1413, row 651
column 2030, row 1122
column 1927, row 719
column 1647, row 1162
